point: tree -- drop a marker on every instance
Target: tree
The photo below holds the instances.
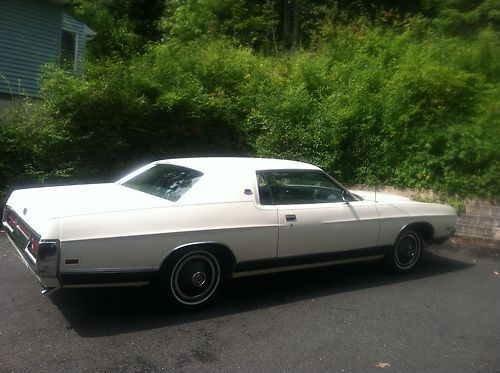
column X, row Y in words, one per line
column 123, row 27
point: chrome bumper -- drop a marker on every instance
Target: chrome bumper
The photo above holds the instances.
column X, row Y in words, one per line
column 46, row 264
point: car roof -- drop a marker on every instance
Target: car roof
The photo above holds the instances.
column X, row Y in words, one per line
column 206, row 164
column 225, row 179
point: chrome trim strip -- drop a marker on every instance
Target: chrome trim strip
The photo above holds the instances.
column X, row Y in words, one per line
column 305, row 266
column 22, row 232
column 29, row 254
column 108, row 285
column 187, row 245
column 104, row 278
column 106, row 270
column 7, row 225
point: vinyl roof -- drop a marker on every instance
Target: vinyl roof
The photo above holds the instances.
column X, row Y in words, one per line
column 238, row 164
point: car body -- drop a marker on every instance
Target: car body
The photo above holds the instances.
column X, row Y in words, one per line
column 188, row 223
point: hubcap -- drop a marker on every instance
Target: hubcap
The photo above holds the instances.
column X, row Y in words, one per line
column 407, row 250
column 199, row 279
column 195, row 278
column 411, row 252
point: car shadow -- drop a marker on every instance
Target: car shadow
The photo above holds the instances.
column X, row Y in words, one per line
column 97, row 312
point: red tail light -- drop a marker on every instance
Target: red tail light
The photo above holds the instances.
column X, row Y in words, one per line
column 11, row 221
column 34, row 246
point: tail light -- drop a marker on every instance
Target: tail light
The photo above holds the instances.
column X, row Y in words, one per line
column 21, row 234
column 47, row 261
column 34, row 246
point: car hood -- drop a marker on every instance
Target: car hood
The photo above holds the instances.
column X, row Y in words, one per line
column 380, row 196
column 37, row 206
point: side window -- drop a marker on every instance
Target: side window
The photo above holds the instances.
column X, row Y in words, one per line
column 165, row 181
column 298, row 187
column 264, row 192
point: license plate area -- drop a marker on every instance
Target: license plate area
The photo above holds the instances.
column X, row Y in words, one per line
column 19, row 238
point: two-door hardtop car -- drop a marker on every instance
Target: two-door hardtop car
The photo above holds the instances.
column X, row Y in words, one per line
column 187, row 224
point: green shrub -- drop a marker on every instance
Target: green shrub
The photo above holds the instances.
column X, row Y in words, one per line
column 406, row 105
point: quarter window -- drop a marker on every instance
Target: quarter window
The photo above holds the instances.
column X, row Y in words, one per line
column 297, row 187
column 166, row 181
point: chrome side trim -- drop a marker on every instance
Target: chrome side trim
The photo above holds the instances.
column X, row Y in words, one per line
column 188, row 245
column 103, row 278
column 416, row 223
column 108, row 285
column 305, row 266
column 47, row 291
column 6, row 225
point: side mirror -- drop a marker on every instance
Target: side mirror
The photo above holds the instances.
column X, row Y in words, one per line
column 345, row 196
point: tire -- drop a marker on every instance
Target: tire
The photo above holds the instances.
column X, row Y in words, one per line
column 406, row 252
column 190, row 280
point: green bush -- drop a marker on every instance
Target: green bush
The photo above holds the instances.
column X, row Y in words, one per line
column 406, row 105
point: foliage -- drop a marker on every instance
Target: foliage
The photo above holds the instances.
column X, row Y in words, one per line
column 33, row 147
column 378, row 106
column 123, row 27
column 246, row 22
column 406, row 97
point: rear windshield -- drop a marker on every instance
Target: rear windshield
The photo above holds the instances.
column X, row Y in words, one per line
column 166, row 181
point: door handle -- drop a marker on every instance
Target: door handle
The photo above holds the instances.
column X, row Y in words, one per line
column 290, row 217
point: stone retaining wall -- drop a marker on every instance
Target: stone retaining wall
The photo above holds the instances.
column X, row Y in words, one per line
column 481, row 221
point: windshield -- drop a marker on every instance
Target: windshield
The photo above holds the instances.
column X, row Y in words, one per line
column 167, row 181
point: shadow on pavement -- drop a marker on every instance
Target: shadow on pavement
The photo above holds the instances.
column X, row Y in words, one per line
column 95, row 312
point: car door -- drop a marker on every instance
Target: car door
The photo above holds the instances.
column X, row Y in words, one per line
column 316, row 215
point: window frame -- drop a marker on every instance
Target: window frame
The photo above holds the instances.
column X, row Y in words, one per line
column 263, row 173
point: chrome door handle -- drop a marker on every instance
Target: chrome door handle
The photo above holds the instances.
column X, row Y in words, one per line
column 290, row 217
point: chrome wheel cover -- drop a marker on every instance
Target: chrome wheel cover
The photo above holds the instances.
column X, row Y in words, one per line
column 195, row 278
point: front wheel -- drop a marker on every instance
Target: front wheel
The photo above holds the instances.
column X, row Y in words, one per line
column 406, row 252
column 191, row 280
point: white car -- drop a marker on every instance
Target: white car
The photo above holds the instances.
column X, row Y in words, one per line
column 187, row 224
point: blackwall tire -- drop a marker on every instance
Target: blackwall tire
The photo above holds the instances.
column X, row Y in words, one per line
column 406, row 252
column 191, row 280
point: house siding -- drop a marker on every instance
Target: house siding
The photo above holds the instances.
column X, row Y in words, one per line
column 30, row 32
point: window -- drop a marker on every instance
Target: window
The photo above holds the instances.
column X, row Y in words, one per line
column 298, row 187
column 264, row 191
column 166, row 181
column 68, row 50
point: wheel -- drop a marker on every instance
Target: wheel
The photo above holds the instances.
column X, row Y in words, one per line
column 406, row 252
column 191, row 280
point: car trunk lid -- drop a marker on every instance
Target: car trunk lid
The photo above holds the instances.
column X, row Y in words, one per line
column 37, row 206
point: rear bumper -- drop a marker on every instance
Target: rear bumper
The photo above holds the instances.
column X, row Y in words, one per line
column 46, row 282
column 45, row 265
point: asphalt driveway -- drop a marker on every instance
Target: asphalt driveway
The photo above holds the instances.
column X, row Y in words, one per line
column 350, row 318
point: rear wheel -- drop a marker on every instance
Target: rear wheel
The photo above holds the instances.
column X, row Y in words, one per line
column 191, row 280
column 407, row 251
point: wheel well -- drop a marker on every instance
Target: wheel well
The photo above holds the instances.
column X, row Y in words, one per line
column 425, row 230
column 222, row 253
